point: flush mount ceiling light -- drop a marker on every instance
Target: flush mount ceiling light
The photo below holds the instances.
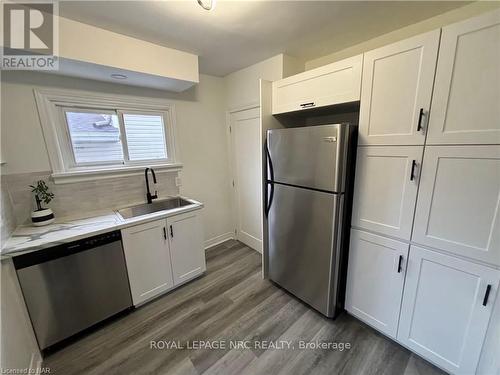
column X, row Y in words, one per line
column 118, row 76
column 207, row 4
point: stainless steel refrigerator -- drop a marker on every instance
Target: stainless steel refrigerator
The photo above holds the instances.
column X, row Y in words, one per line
column 309, row 183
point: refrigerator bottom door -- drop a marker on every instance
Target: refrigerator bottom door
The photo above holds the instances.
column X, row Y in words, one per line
column 302, row 227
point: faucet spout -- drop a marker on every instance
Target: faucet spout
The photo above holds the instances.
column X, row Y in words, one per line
column 149, row 196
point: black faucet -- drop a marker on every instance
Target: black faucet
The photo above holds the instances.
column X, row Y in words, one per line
column 150, row 197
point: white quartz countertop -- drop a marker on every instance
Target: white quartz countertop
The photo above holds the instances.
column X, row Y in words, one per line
column 28, row 238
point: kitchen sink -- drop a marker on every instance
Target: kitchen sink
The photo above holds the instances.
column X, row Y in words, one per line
column 148, row 208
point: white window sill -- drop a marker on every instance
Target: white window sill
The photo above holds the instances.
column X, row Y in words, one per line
column 104, row 173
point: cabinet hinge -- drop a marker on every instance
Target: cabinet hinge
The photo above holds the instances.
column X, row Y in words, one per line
column 233, row 183
column 230, row 130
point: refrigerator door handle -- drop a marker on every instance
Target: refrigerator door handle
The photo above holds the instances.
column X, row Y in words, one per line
column 270, row 200
column 269, row 181
column 269, row 163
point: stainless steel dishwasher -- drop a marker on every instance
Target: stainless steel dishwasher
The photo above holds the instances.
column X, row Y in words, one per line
column 73, row 286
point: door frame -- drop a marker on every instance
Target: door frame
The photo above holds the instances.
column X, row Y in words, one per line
column 232, row 168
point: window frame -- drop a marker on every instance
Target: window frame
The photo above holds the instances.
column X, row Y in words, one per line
column 52, row 107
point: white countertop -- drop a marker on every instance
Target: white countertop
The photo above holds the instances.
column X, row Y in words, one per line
column 28, row 238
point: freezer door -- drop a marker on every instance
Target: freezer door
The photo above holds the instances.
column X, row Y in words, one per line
column 302, row 258
column 310, row 157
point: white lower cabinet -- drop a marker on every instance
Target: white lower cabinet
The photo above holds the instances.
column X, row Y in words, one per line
column 186, row 246
column 446, row 309
column 375, row 280
column 148, row 260
column 163, row 254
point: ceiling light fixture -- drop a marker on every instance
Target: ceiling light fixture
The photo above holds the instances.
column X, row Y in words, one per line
column 118, row 76
column 210, row 6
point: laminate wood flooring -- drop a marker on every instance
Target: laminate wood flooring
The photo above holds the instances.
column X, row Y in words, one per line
column 231, row 304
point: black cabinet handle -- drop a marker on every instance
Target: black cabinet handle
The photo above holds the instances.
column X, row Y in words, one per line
column 400, row 263
column 307, row 105
column 171, row 232
column 486, row 295
column 413, row 166
column 420, row 115
column 164, row 233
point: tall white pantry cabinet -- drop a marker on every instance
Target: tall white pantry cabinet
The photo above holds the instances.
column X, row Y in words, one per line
column 424, row 263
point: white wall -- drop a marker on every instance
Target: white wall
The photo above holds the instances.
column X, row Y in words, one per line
column 429, row 24
column 200, row 135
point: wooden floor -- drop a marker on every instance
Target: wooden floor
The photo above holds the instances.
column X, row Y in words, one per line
column 232, row 302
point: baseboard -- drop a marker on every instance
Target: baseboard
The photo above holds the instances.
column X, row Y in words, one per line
column 218, row 239
column 36, row 363
column 250, row 241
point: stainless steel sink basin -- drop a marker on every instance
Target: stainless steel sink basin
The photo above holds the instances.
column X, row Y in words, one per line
column 145, row 208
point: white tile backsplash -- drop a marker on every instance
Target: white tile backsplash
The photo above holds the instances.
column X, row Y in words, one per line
column 83, row 198
column 7, row 217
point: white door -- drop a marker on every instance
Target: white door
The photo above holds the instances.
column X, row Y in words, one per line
column 385, row 189
column 458, row 201
column 447, row 305
column 465, row 104
column 185, row 232
column 148, row 260
column 375, row 279
column 396, row 91
column 247, row 176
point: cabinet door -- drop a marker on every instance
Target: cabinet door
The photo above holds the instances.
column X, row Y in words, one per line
column 375, row 279
column 148, row 260
column 335, row 83
column 396, row 91
column 465, row 104
column 458, row 203
column 446, row 308
column 385, row 189
column 185, row 233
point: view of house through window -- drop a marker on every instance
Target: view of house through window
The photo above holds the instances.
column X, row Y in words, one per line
column 145, row 136
column 95, row 137
column 112, row 137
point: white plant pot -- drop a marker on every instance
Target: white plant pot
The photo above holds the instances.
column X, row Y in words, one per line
column 42, row 217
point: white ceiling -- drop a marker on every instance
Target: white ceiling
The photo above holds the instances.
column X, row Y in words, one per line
column 240, row 33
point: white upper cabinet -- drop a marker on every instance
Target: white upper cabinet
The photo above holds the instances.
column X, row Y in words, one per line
column 336, row 83
column 458, row 201
column 466, row 100
column 148, row 260
column 385, row 189
column 375, row 278
column 185, row 232
column 446, row 308
column 396, row 91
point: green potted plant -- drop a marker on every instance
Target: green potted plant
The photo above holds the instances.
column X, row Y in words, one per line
column 42, row 216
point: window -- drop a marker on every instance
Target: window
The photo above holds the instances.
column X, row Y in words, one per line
column 87, row 134
column 115, row 137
